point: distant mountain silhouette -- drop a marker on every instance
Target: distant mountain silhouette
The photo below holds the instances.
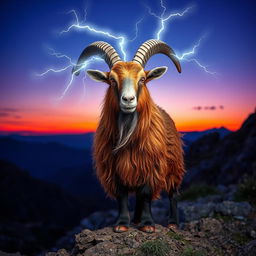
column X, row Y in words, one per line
column 43, row 160
column 34, row 213
column 84, row 141
column 190, row 137
column 215, row 160
column 79, row 141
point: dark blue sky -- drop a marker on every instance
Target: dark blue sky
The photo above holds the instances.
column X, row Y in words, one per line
column 28, row 28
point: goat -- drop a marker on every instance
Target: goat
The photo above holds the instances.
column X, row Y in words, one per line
column 136, row 146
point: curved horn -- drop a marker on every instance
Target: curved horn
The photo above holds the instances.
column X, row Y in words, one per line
column 152, row 47
column 103, row 50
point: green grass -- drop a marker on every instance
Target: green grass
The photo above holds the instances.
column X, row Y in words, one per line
column 175, row 236
column 188, row 251
column 155, row 248
column 247, row 191
column 196, row 191
column 240, row 238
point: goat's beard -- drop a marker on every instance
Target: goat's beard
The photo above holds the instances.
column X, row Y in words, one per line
column 126, row 125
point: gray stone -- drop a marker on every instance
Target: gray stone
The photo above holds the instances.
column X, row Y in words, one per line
column 233, row 208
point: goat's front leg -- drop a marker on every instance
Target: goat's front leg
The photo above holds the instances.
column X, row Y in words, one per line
column 137, row 210
column 173, row 221
column 144, row 196
column 123, row 219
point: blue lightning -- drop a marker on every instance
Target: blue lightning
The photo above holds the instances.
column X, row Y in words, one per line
column 71, row 64
column 122, row 41
column 163, row 19
column 136, row 30
column 77, row 25
column 192, row 52
column 57, row 55
column 82, row 66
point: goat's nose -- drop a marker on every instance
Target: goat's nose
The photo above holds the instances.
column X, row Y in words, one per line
column 128, row 99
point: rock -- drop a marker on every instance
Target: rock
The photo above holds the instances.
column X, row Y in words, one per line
column 205, row 225
column 249, row 249
column 194, row 211
column 61, row 252
column 253, row 234
column 233, row 208
column 211, row 225
column 9, row 254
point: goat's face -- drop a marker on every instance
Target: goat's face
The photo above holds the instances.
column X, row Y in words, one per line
column 127, row 78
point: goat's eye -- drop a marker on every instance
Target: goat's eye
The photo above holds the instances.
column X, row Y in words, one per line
column 142, row 80
column 112, row 81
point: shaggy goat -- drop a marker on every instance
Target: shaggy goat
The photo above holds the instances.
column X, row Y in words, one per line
column 136, row 146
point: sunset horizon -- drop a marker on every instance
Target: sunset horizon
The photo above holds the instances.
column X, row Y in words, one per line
column 76, row 127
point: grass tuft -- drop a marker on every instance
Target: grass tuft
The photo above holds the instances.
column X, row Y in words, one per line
column 175, row 236
column 155, row 248
column 188, row 251
column 247, row 191
column 240, row 238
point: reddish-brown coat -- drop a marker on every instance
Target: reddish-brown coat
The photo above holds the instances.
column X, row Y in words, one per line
column 153, row 154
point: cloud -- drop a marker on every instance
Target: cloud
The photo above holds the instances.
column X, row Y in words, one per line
column 4, row 114
column 9, row 112
column 221, row 107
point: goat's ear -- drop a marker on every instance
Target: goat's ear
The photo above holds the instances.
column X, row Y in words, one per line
column 155, row 73
column 97, row 75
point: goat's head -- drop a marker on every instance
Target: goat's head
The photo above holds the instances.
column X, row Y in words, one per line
column 127, row 78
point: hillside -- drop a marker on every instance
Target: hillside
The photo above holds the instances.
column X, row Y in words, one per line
column 42, row 160
column 33, row 213
column 215, row 160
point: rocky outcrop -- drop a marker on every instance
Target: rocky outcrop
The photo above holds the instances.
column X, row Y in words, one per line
column 219, row 207
column 207, row 236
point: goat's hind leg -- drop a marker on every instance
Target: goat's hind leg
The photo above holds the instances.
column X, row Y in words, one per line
column 173, row 221
column 123, row 219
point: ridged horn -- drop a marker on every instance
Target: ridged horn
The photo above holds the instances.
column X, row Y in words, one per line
column 152, row 47
column 101, row 49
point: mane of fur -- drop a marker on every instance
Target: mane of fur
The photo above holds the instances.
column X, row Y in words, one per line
column 152, row 155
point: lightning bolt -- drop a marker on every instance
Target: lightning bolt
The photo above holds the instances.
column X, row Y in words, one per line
column 163, row 19
column 57, row 55
column 122, row 41
column 82, row 66
column 186, row 56
column 136, row 30
column 80, row 26
column 71, row 64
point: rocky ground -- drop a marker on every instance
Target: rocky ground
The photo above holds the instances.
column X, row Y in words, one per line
column 214, row 224
column 207, row 236
column 210, row 225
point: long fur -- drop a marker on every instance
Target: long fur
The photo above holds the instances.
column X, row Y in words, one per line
column 126, row 126
column 152, row 153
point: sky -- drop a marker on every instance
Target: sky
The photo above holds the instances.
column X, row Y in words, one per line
column 197, row 99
